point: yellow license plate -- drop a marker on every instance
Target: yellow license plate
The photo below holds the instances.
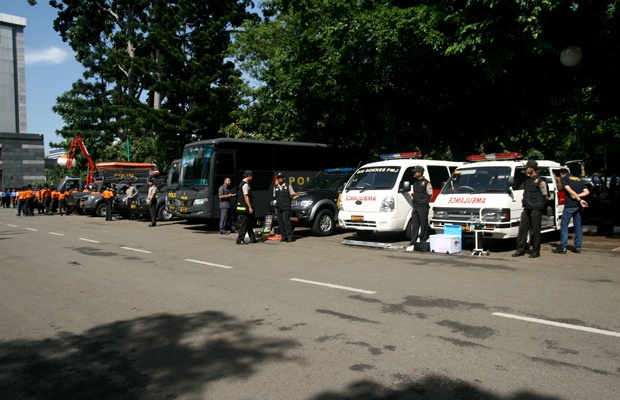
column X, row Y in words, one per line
column 171, row 208
column 183, row 197
column 466, row 228
column 81, row 204
column 183, row 209
column 172, row 195
column 133, row 206
column 358, row 218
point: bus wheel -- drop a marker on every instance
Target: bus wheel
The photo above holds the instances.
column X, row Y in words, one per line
column 364, row 235
column 323, row 223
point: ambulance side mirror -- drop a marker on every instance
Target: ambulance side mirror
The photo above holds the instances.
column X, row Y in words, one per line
column 405, row 186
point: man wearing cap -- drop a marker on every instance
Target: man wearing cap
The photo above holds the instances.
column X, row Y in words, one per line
column 420, row 200
column 245, row 209
column 573, row 208
column 282, row 195
column 535, row 194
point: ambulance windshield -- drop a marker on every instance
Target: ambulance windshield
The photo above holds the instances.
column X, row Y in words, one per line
column 374, row 178
column 478, row 180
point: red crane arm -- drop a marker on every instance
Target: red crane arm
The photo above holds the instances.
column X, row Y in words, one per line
column 76, row 143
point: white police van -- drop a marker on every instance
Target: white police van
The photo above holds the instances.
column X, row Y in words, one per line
column 486, row 195
column 377, row 198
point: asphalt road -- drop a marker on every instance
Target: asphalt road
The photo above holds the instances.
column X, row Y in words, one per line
column 117, row 310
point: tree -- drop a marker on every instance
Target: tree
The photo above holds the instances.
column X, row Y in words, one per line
column 447, row 77
column 155, row 72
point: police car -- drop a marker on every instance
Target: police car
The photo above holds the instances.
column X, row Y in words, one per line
column 315, row 203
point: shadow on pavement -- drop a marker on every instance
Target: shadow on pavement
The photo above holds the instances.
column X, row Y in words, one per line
column 160, row 356
column 433, row 387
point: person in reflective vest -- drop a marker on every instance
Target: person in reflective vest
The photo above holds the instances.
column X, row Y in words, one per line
column 420, row 201
column 283, row 194
column 245, row 209
column 535, row 193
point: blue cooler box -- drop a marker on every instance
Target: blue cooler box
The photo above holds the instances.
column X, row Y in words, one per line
column 456, row 230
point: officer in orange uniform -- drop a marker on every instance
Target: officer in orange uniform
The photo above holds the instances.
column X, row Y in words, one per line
column 62, row 203
column 108, row 196
column 21, row 201
column 29, row 200
column 47, row 199
column 55, row 199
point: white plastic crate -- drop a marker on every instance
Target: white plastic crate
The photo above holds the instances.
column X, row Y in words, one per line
column 445, row 244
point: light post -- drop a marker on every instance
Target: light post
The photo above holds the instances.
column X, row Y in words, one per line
column 128, row 146
column 571, row 57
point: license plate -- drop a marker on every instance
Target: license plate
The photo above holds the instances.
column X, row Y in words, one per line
column 183, row 209
column 183, row 197
column 171, row 208
column 358, row 218
column 172, row 195
column 133, row 206
column 81, row 204
column 467, row 228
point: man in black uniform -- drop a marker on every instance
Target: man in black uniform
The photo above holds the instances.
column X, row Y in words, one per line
column 225, row 208
column 420, row 199
column 245, row 209
column 283, row 194
column 535, row 193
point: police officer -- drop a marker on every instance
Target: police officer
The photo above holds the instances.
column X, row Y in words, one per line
column 245, row 209
column 108, row 197
column 535, row 194
column 420, row 200
column 283, row 194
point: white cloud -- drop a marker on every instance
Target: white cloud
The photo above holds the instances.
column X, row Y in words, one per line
column 52, row 55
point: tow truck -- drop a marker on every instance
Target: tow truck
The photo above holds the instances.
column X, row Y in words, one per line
column 70, row 183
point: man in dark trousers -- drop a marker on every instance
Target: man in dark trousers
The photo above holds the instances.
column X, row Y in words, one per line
column 535, row 194
column 225, row 206
column 420, row 200
column 245, row 209
column 108, row 197
column 151, row 200
column 283, row 194
column 573, row 208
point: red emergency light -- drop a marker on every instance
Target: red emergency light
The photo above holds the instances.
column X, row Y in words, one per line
column 495, row 157
column 396, row 156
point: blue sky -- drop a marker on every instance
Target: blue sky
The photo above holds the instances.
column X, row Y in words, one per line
column 50, row 66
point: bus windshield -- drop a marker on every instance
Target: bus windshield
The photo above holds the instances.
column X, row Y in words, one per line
column 372, row 178
column 173, row 174
column 478, row 180
column 195, row 165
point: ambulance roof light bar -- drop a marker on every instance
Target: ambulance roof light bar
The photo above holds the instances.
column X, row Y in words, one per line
column 495, row 157
column 397, row 156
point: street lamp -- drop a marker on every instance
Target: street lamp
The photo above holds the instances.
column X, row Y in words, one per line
column 571, row 57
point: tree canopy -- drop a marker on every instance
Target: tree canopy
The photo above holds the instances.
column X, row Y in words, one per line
column 448, row 78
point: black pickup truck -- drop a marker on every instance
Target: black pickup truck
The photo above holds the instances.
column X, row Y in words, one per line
column 315, row 203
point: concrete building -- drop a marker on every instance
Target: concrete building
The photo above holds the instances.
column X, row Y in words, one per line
column 21, row 153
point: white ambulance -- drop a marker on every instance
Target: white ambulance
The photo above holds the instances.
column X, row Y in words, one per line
column 377, row 198
column 486, row 195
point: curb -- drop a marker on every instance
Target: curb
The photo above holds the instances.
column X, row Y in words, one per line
column 601, row 229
